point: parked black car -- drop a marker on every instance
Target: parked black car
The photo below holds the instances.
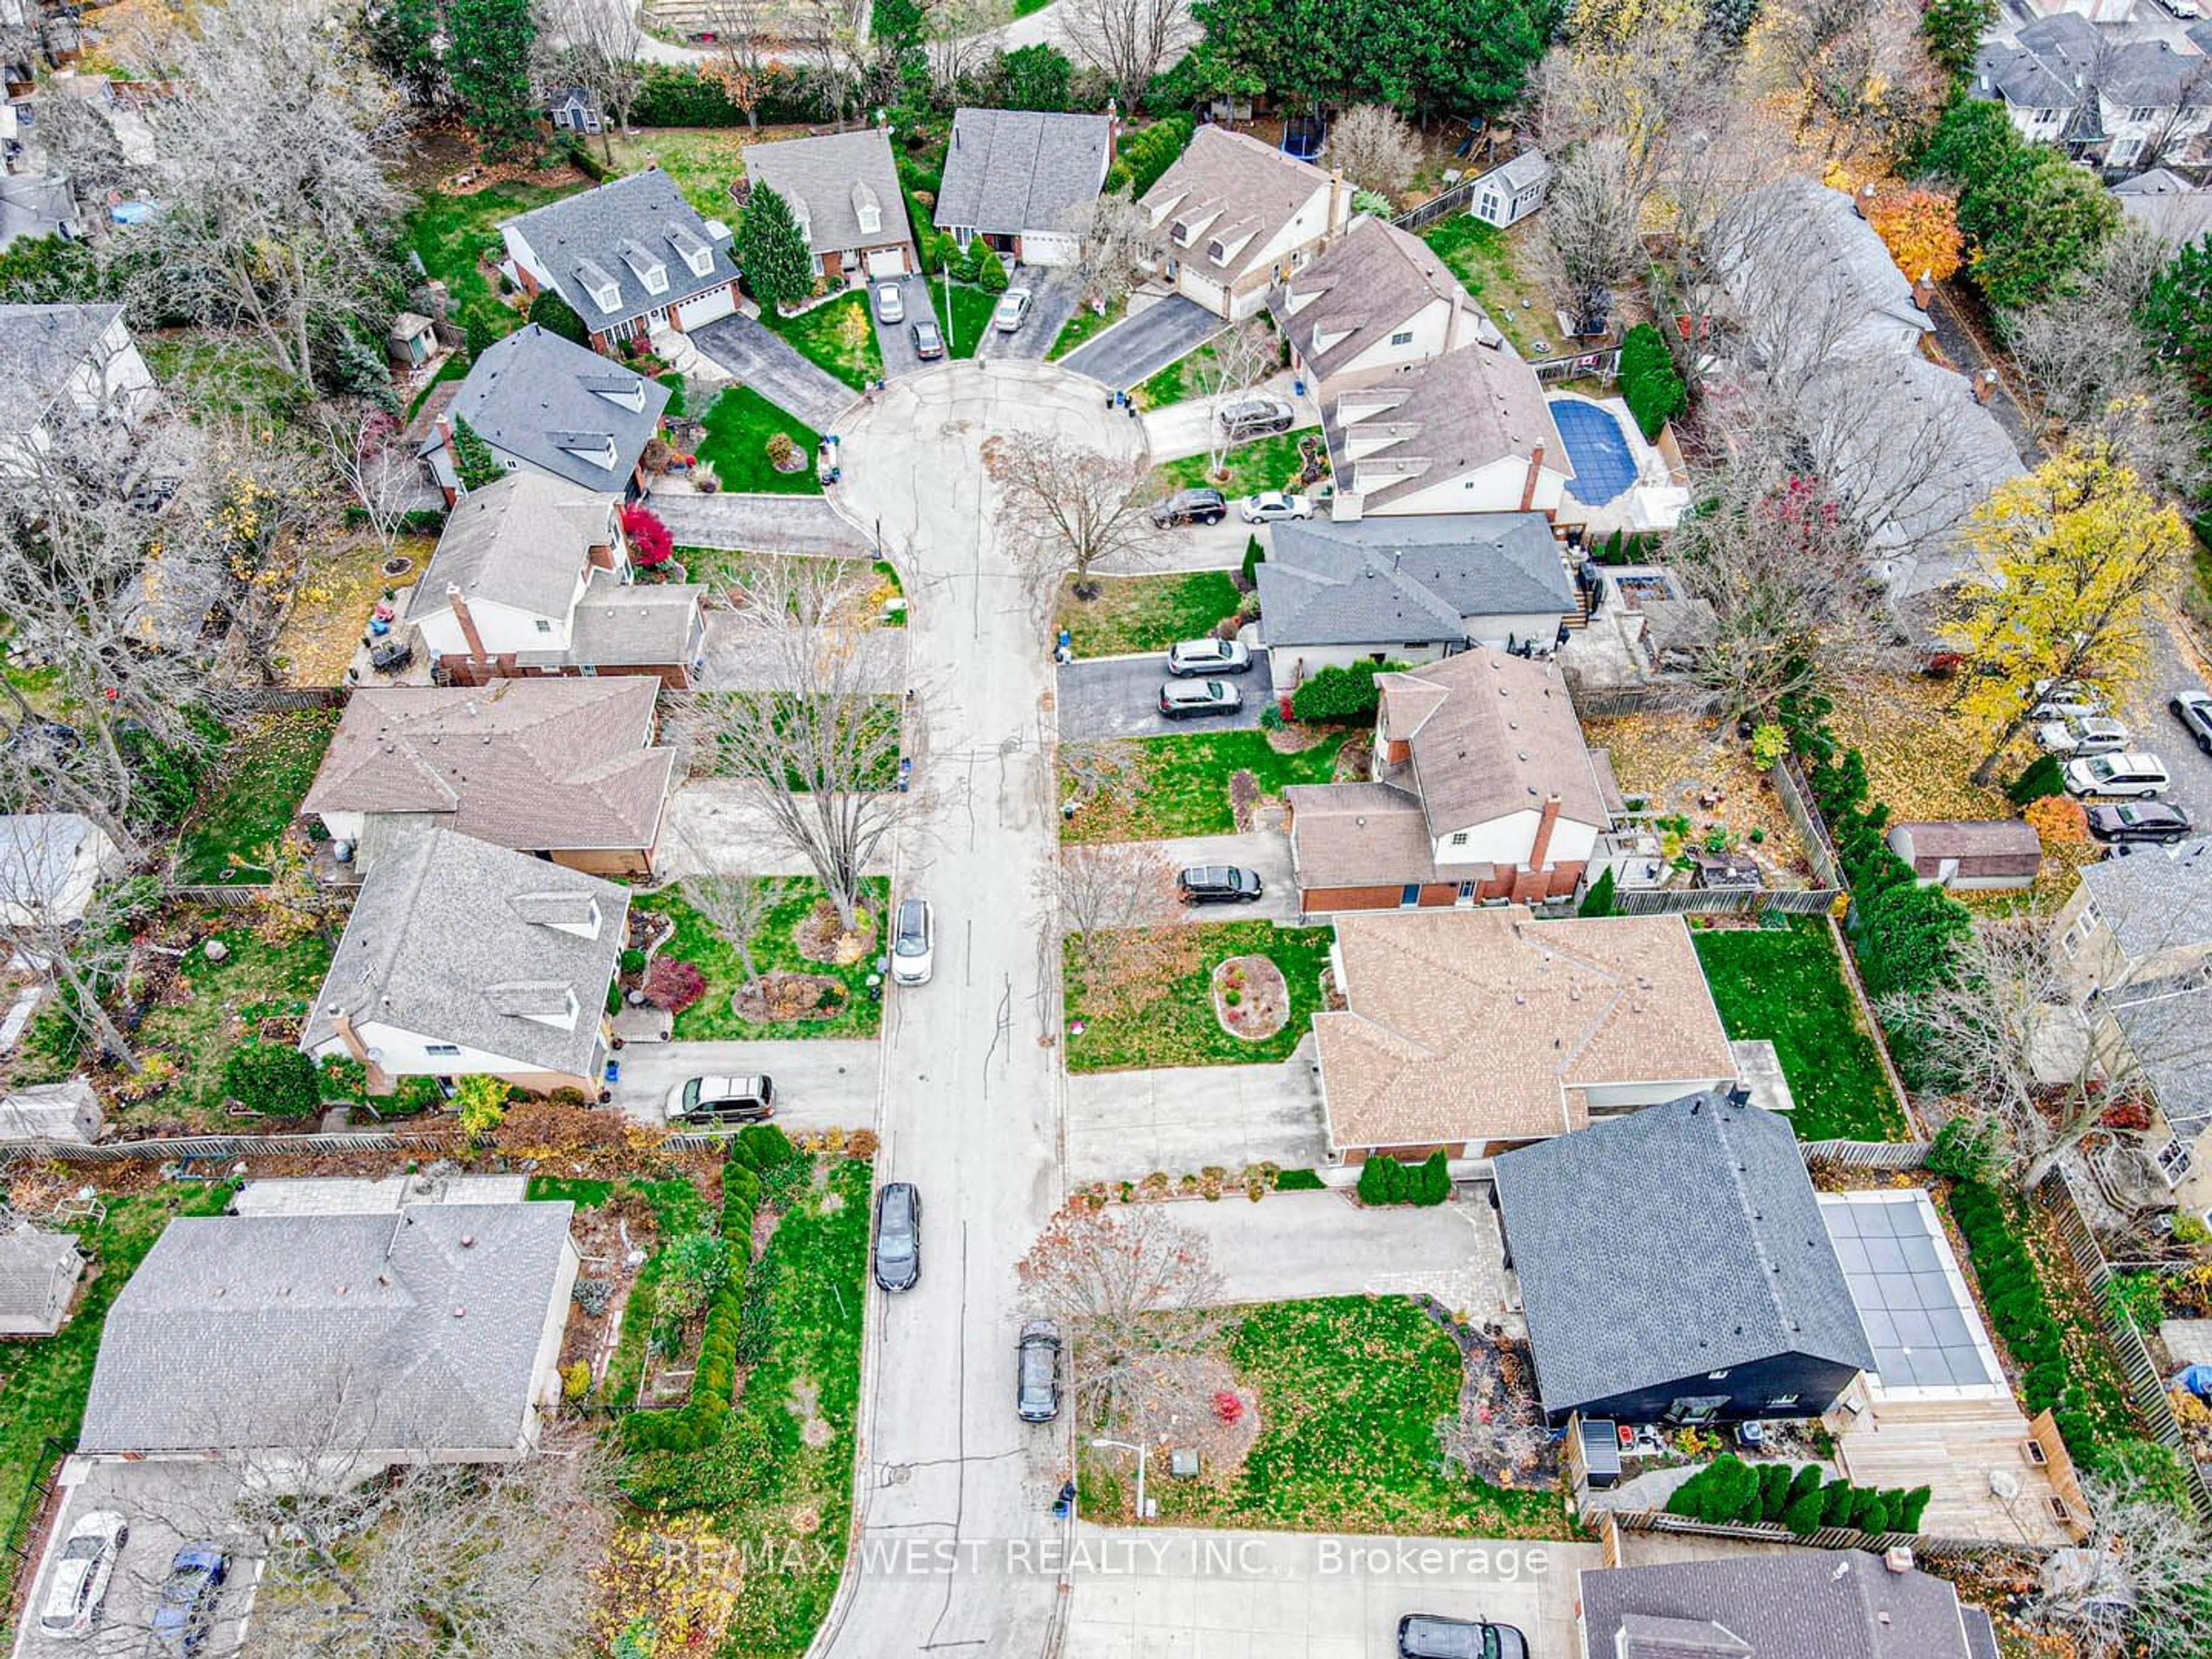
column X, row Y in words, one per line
column 899, row 1235
column 1425, row 1636
column 2139, row 821
column 1218, row 883
column 1191, row 506
column 1036, row 1372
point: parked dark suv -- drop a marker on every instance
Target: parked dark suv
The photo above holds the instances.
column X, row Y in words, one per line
column 1191, row 506
column 1036, row 1372
column 1218, row 883
column 1425, row 1636
column 899, row 1235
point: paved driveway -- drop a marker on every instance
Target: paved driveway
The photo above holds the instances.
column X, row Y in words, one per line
column 1293, row 1245
column 1053, row 293
column 1123, row 1126
column 897, row 339
column 1119, row 697
column 880, row 657
column 1142, row 346
column 761, row 359
column 2171, row 669
column 819, row 1084
column 757, row 524
column 1268, row 854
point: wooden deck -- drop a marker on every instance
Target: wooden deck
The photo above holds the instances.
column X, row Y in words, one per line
column 1954, row 1447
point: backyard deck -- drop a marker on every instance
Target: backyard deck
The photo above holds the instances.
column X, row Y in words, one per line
column 1955, row 1447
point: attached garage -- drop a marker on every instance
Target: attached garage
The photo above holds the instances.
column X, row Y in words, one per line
column 1048, row 247
column 887, row 261
column 706, row 307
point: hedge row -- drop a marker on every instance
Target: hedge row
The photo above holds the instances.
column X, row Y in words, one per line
column 1149, row 151
column 1649, row 381
column 1729, row 1492
column 1387, row 1181
column 1341, row 693
column 677, row 96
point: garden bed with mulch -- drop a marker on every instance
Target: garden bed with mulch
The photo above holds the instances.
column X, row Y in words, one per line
column 1250, row 999
column 790, row 996
column 822, row 937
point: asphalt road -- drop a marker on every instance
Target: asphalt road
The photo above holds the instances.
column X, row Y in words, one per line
column 762, row 361
column 1118, row 697
column 2169, row 669
column 1134, row 349
column 819, row 1084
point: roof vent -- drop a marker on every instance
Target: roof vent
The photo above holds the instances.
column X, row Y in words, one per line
column 460, row 1312
column 468, row 1241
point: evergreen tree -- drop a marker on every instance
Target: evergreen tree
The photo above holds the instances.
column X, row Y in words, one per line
column 488, row 64
column 1598, row 901
column 1433, row 1180
column 771, row 250
column 990, row 270
column 556, row 316
column 402, row 42
column 1954, row 30
column 473, row 460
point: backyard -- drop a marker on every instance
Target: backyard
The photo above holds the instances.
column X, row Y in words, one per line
column 1349, row 1392
column 1786, row 986
column 847, row 1012
column 209, row 1008
column 739, row 424
column 457, row 234
column 254, row 797
column 330, row 608
column 1264, row 463
column 701, row 160
column 1181, row 785
column 1144, row 613
column 1483, row 258
column 1177, row 1025
column 836, row 335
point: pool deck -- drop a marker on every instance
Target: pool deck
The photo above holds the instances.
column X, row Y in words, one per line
column 1654, row 502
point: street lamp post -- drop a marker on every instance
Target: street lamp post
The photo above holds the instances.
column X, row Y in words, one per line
column 1124, row 1445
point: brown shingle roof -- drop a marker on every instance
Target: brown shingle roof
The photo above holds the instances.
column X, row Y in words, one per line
column 1451, row 415
column 533, row 764
column 1359, row 834
column 1492, row 734
column 1229, row 186
column 1983, row 847
column 1372, row 281
column 1481, row 1025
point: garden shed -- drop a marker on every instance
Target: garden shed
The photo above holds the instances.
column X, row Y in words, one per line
column 1971, row 855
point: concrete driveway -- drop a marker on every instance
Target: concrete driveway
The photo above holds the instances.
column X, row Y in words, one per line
column 757, row 524
column 759, row 358
column 897, row 339
column 724, row 822
column 1144, row 342
column 1119, row 697
column 880, row 656
column 1269, row 854
column 1175, row 430
column 1290, row 1246
column 819, row 1084
column 1053, row 294
column 1123, row 1126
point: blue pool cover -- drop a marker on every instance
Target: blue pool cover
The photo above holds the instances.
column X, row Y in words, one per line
column 1603, row 467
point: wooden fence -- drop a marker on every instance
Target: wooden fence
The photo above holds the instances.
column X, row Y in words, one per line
column 1725, row 900
column 1923, row 1547
column 1867, row 1154
column 1442, row 206
column 280, row 699
column 1796, row 794
column 1659, row 697
column 1603, row 364
column 425, row 1143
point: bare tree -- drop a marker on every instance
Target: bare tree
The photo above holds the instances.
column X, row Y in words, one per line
column 822, row 742
column 1137, row 1290
column 1592, row 218
column 739, row 28
column 1858, row 72
column 81, row 953
column 1795, row 309
column 2136, row 1582
column 368, row 451
column 959, row 37
column 1375, row 148
column 595, row 43
column 1117, row 903
column 1236, row 361
column 270, row 501
column 1065, row 509
column 1113, row 235
column 1103, row 780
column 1128, row 41
column 825, row 30
column 734, row 902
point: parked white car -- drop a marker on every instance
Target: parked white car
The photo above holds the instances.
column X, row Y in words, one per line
column 2116, row 774
column 1013, row 310
column 1272, row 505
column 2092, row 734
column 80, row 1574
column 890, row 304
column 913, row 944
column 2064, row 699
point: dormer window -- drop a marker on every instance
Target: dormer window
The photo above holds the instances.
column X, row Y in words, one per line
column 1179, row 234
column 698, row 258
column 605, row 292
column 1216, row 251
column 868, row 209
column 549, row 1002
column 650, row 269
column 628, row 392
column 596, row 447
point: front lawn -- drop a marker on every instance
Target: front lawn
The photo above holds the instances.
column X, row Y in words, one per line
column 1786, row 986
column 1175, row 383
column 1178, row 1026
column 1183, row 783
column 1271, row 463
column 1082, row 325
column 969, row 316
column 739, row 423
column 218, row 1005
column 273, row 760
column 776, row 950
column 1351, row 1392
column 837, row 336
column 1144, row 613
column 458, row 236
column 44, row 1381
column 1483, row 258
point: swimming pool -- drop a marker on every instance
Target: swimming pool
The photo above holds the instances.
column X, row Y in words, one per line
column 1595, row 444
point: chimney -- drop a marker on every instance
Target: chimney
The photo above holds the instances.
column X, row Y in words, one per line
column 1113, row 128
column 1863, row 200
column 476, row 652
column 1923, row 291
column 1983, row 383
column 1542, row 847
column 1535, row 470
column 354, row 1046
column 1898, row 1557
column 1339, row 201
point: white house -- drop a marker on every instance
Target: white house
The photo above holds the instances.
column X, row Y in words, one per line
column 1233, row 216
column 66, row 362
column 628, row 256
column 1019, row 179
column 1375, row 301
column 51, row 863
column 1507, row 195
column 2115, row 102
column 1467, row 432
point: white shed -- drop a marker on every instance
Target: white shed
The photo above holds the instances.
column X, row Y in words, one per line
column 52, row 1111
column 1507, row 195
column 39, row 1273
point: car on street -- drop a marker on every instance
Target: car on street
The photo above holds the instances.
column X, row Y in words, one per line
column 1428, row 1636
column 2153, row 821
column 710, row 1102
column 2125, row 773
column 890, row 304
column 2064, row 699
column 1182, row 700
column 2089, row 734
column 1271, row 505
column 2194, row 710
column 913, row 944
column 1013, row 310
column 1036, row 1371
column 927, row 342
column 80, row 1574
column 1218, row 883
column 899, row 1235
column 1191, row 506
column 186, row 1612
column 1256, row 417
column 1190, row 659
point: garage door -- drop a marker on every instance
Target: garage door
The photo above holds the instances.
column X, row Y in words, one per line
column 1048, row 247
column 887, row 262
column 705, row 307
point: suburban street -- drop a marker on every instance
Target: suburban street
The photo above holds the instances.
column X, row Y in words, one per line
column 2171, row 667
column 819, row 1084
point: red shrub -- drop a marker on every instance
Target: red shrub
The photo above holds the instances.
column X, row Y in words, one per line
column 1227, row 1407
column 650, row 543
column 673, row 985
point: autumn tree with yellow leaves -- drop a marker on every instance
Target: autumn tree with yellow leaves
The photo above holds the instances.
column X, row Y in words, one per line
column 1920, row 228
column 2070, row 555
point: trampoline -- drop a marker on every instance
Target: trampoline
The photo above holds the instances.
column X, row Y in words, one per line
column 1918, row 1314
column 1595, row 444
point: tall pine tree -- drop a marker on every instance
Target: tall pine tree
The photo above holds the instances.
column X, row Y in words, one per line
column 403, row 39
column 489, row 65
column 772, row 250
column 473, row 462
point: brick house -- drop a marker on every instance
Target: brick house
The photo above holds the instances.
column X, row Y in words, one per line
column 1482, row 790
column 1018, row 177
column 628, row 256
column 843, row 188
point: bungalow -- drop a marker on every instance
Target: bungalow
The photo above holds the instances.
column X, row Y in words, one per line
column 463, row 959
column 1481, row 790
column 1473, row 1031
column 1408, row 590
column 1674, row 1267
column 1970, row 855
column 1234, row 216
column 544, row 404
column 564, row 770
column 843, row 188
column 628, row 256
column 531, row 577
column 1019, row 179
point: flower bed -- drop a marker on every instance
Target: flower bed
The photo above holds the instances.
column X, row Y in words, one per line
column 1250, row 999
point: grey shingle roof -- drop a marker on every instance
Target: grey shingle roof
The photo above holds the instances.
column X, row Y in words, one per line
column 436, row 931
column 2168, row 1026
column 1403, row 579
column 1528, row 167
column 40, row 347
column 1452, row 415
column 1798, row 231
column 2160, row 898
column 1013, row 170
column 254, row 1331
column 1672, row 1242
column 619, row 625
column 30, row 1261
column 532, row 389
column 38, row 850
column 1230, row 188
column 819, row 177
column 593, row 227
column 34, row 206
column 1805, row 1604
column 524, row 541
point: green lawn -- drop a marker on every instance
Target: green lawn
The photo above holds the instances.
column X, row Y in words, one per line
column 725, row 566
column 42, row 1381
column 1786, row 986
column 1184, row 789
column 1082, row 325
column 837, row 337
column 1177, row 381
column 969, row 315
column 739, row 425
column 701, row 160
column 711, row 1020
column 1351, row 1390
column 1178, row 1027
column 1264, row 464
column 453, row 234
column 1024, row 8
column 252, row 801
column 224, row 1002
column 674, row 381
column 1482, row 257
column 585, row 1194
column 221, row 374
column 455, row 367
column 1145, row 613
